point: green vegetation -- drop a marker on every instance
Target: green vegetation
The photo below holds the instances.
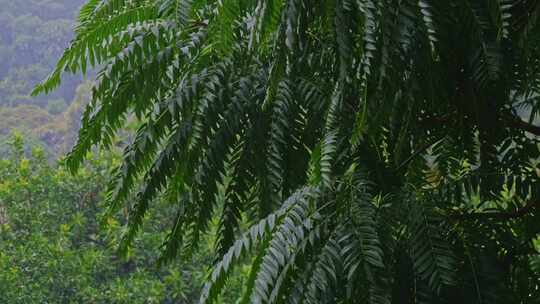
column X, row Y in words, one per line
column 52, row 249
column 56, row 243
column 373, row 147
column 335, row 151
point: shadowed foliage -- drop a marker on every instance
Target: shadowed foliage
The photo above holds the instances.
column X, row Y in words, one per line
column 378, row 151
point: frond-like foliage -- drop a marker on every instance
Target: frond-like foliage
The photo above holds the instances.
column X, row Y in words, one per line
column 378, row 151
column 432, row 258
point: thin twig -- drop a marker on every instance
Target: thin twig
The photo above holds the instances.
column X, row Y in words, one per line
column 416, row 153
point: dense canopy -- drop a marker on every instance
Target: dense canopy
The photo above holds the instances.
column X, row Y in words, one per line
column 353, row 151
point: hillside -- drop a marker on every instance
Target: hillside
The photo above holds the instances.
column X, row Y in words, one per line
column 33, row 34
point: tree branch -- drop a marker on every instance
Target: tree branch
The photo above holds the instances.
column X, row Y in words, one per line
column 530, row 206
column 516, row 122
column 417, row 152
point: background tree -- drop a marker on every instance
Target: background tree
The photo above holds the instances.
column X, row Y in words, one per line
column 375, row 148
column 54, row 250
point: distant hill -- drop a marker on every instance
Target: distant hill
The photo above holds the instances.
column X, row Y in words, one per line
column 33, row 35
column 55, row 132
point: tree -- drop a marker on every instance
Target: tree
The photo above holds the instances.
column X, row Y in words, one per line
column 53, row 249
column 380, row 151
